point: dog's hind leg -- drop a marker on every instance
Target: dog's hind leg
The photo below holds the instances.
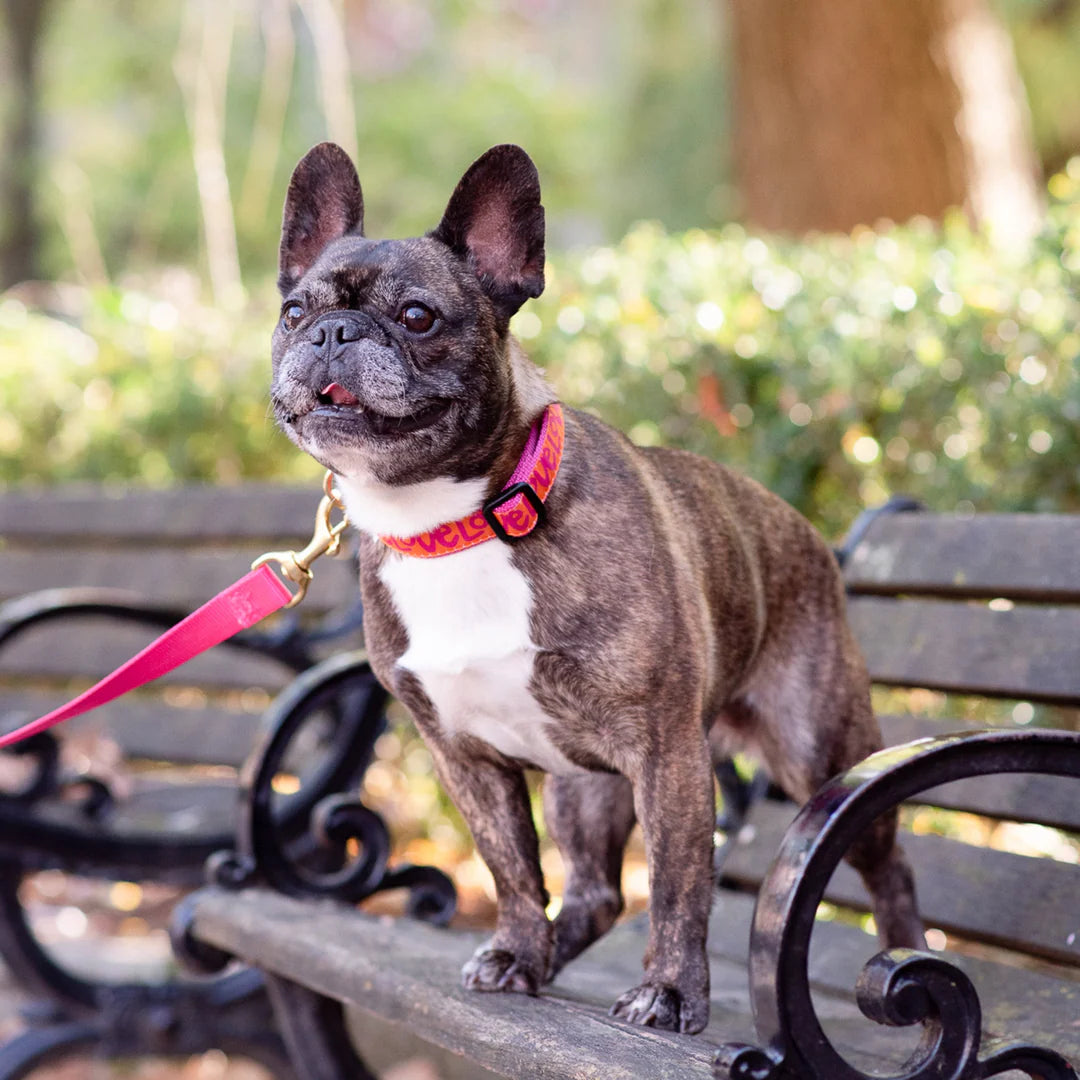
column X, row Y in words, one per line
column 813, row 726
column 885, row 871
column 589, row 818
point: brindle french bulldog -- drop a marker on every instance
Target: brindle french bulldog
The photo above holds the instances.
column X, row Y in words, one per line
column 662, row 610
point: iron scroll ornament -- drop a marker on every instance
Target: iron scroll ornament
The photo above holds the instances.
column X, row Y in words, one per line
column 899, row 987
column 320, row 842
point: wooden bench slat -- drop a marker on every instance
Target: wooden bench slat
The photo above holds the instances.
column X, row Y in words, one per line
column 182, row 515
column 148, row 727
column 1022, row 556
column 178, row 576
column 1043, row 800
column 89, row 649
column 163, row 832
column 613, row 964
column 1038, row 1005
column 410, row 973
column 1031, row 653
column 161, row 809
column 992, row 896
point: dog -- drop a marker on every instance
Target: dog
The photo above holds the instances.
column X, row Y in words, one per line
column 543, row 594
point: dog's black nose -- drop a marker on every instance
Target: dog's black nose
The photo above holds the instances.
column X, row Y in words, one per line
column 341, row 328
column 347, row 329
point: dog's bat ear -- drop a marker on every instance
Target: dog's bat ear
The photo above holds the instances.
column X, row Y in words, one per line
column 324, row 202
column 495, row 220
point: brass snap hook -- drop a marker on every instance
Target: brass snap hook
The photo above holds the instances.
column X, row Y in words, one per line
column 295, row 566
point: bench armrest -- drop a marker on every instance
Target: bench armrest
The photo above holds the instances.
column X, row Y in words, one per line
column 898, row 987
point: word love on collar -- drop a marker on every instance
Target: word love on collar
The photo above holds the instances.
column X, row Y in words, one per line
column 513, row 513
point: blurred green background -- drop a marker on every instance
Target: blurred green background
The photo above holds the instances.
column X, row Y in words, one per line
column 833, row 243
column 767, row 241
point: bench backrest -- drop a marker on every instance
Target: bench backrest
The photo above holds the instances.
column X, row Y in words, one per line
column 171, row 548
column 987, row 607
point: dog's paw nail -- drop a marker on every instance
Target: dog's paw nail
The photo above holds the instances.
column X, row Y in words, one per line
column 650, row 1005
column 498, row 969
column 518, row 981
column 693, row 1015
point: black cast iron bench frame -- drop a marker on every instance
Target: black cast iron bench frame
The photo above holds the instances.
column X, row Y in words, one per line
column 284, row 904
column 64, row 820
column 895, row 989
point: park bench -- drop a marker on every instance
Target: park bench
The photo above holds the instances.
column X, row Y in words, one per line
column 144, row 791
column 985, row 609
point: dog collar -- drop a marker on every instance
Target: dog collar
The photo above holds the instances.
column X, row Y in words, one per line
column 513, row 513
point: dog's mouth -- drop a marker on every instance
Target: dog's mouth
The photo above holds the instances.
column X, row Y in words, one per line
column 334, row 402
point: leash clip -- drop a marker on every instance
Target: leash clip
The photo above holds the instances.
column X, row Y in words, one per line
column 295, row 566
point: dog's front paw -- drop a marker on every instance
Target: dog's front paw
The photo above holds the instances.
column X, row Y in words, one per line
column 499, row 969
column 662, row 1006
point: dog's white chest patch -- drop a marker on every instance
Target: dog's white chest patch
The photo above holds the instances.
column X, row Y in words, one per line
column 467, row 617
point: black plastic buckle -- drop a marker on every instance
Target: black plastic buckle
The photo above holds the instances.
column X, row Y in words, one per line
column 504, row 496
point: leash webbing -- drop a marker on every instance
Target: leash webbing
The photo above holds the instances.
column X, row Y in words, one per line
column 244, row 603
column 256, row 595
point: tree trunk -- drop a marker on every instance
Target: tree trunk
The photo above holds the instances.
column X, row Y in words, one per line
column 848, row 112
column 25, row 21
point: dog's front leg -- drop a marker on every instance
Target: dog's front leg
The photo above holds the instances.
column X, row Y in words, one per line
column 674, row 801
column 494, row 801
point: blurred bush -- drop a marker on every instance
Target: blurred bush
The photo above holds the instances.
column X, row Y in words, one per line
column 836, row 369
column 126, row 385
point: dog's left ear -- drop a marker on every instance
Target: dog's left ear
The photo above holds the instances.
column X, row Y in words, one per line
column 495, row 220
column 324, row 202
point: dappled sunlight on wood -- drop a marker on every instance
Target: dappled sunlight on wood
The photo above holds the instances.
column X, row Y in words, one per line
column 1038, row 840
column 1021, row 838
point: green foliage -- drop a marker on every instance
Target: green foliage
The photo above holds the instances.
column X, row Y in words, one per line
column 625, row 106
column 836, row 370
column 124, row 386
column 1046, row 41
column 433, row 87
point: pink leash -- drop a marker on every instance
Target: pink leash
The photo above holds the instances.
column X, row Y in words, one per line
column 257, row 594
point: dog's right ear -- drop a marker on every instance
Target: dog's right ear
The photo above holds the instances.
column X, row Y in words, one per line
column 324, row 202
column 495, row 220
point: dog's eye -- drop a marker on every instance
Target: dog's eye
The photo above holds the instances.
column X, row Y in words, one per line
column 417, row 319
column 292, row 313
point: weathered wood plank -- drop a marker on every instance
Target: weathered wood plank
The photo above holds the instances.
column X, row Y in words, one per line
column 410, row 974
column 985, row 895
column 87, row 648
column 161, row 832
column 1043, row 800
column 1027, row 652
column 148, row 727
column 182, row 515
column 179, row 576
column 385, row 1045
column 158, row 808
column 1017, row 1000
column 1022, row 556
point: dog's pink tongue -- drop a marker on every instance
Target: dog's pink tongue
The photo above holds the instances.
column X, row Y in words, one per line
column 340, row 396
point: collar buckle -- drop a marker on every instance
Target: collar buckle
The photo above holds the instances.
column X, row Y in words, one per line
column 501, row 498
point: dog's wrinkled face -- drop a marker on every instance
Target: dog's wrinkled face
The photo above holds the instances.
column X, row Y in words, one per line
column 390, row 358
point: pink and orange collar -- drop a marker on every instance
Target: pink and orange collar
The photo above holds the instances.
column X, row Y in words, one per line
column 514, row 512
